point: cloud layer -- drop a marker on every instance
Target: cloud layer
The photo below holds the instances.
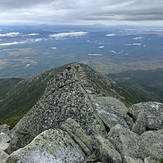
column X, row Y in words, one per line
column 10, row 34
column 22, row 42
column 68, row 34
column 81, row 12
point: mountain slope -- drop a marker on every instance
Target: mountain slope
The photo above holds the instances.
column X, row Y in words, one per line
column 140, row 85
column 17, row 96
column 18, row 100
column 80, row 118
column 21, row 96
column 66, row 94
column 6, row 85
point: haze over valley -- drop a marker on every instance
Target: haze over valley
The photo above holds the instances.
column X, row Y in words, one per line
column 29, row 50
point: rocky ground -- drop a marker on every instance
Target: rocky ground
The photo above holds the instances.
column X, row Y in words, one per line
column 81, row 118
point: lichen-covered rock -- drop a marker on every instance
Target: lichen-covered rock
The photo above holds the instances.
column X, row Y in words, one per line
column 112, row 111
column 150, row 160
column 4, row 133
column 153, row 142
column 49, row 147
column 132, row 145
column 3, row 157
column 112, row 105
column 4, row 146
column 95, row 148
column 4, row 128
column 106, row 151
column 131, row 160
column 140, row 125
column 147, row 116
column 86, row 142
column 125, row 141
column 4, row 142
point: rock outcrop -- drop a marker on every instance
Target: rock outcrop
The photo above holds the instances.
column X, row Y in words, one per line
column 147, row 116
column 81, row 118
column 130, row 144
column 49, row 147
column 4, row 142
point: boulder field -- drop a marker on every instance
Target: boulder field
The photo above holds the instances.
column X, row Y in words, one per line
column 81, row 118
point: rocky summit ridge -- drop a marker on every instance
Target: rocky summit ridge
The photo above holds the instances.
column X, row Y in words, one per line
column 81, row 118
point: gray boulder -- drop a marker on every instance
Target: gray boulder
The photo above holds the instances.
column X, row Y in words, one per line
column 4, row 146
column 106, row 151
column 128, row 143
column 4, row 142
column 49, row 147
column 125, row 141
column 4, row 133
column 147, row 116
column 95, row 148
column 86, row 142
column 3, row 157
column 153, row 142
column 150, row 160
column 112, row 111
column 131, row 160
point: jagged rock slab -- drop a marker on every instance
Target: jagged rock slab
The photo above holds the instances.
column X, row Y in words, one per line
column 4, row 133
column 112, row 111
column 131, row 160
column 150, row 160
column 4, row 146
column 49, row 147
column 4, row 142
column 95, row 148
column 125, row 141
column 153, row 141
column 3, row 157
column 86, row 142
column 147, row 116
column 132, row 145
column 107, row 151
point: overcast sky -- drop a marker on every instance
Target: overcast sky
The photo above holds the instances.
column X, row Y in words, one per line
column 145, row 12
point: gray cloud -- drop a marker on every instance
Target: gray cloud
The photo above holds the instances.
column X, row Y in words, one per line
column 15, row 4
column 81, row 11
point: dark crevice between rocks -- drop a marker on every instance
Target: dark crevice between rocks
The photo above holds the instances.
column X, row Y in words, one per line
column 107, row 160
column 96, row 161
column 69, row 68
column 95, row 157
column 72, row 137
column 150, row 129
column 67, row 84
column 119, row 151
column 106, row 127
column 131, row 116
